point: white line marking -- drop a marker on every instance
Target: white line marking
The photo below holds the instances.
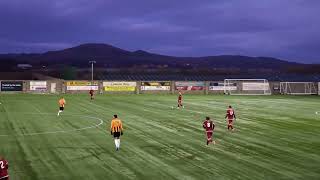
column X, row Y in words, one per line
column 61, row 131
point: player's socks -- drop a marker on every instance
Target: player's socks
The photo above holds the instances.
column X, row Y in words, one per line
column 116, row 143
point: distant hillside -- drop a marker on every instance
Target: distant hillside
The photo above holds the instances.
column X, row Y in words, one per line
column 113, row 57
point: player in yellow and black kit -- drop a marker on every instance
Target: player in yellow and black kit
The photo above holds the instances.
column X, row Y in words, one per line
column 116, row 130
column 62, row 103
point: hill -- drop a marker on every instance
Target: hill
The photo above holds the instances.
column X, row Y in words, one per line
column 113, row 57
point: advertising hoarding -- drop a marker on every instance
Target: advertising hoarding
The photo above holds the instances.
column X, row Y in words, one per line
column 82, row 85
column 190, row 86
column 38, row 85
column 255, row 86
column 11, row 85
column 216, row 86
column 119, row 86
column 155, row 86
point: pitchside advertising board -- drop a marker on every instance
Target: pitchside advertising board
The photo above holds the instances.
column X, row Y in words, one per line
column 11, row 85
column 155, row 86
column 216, row 86
column 120, row 86
column 38, row 85
column 190, row 86
column 82, row 85
column 255, row 86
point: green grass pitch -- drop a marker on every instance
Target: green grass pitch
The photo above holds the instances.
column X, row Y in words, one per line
column 276, row 137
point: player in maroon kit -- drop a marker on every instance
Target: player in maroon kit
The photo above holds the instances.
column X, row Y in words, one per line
column 180, row 101
column 4, row 169
column 208, row 125
column 231, row 117
column 91, row 92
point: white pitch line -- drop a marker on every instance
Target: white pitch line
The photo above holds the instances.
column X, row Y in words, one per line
column 61, row 131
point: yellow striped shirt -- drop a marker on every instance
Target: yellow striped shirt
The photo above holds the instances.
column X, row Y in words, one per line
column 116, row 125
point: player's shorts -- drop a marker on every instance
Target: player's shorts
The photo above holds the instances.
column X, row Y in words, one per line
column 209, row 135
column 230, row 121
column 61, row 108
column 116, row 134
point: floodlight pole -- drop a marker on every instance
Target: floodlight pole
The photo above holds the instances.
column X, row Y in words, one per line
column 92, row 62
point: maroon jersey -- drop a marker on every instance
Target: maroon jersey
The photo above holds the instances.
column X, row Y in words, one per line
column 230, row 114
column 4, row 168
column 91, row 92
column 208, row 125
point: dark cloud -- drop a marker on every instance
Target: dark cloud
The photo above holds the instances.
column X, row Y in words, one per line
column 286, row 29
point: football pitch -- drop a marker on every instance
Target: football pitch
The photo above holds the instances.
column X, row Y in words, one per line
column 276, row 137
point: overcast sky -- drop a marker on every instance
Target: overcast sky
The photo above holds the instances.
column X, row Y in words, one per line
column 287, row 29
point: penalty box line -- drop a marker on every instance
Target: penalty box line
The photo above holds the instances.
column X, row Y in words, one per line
column 61, row 131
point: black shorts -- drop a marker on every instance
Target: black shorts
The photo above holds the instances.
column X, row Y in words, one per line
column 61, row 108
column 116, row 134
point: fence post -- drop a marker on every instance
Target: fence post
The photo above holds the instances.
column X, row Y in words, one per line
column 206, row 91
column 173, row 87
column 138, row 86
column 100, row 86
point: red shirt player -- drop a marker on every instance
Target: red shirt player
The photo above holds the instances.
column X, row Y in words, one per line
column 180, row 100
column 208, row 125
column 4, row 169
column 91, row 92
column 230, row 116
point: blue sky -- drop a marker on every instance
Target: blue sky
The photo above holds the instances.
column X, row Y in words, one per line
column 287, row 29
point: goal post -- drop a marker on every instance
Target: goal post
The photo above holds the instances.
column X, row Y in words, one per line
column 298, row 88
column 247, row 87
